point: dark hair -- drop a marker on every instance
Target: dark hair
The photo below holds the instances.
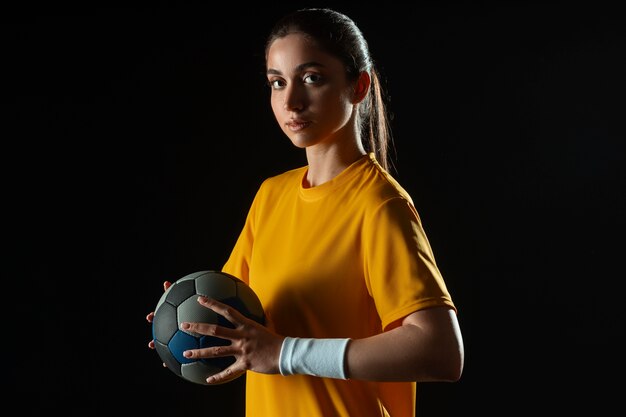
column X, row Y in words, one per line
column 339, row 36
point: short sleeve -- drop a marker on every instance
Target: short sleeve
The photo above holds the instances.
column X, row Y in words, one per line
column 400, row 269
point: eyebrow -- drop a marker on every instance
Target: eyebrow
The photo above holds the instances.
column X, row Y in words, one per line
column 299, row 68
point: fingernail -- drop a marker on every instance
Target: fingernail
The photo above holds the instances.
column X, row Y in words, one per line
column 184, row 325
column 187, row 354
column 202, row 299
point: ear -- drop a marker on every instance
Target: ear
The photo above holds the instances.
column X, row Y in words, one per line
column 361, row 87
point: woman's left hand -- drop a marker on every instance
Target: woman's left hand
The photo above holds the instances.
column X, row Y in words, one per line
column 254, row 346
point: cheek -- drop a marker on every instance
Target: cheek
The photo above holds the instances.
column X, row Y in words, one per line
column 334, row 100
column 338, row 108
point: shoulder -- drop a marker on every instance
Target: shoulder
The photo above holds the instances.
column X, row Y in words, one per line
column 383, row 185
column 383, row 196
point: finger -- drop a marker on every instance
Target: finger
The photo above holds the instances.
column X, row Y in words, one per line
column 166, row 285
column 226, row 375
column 211, row 352
column 151, row 344
column 209, row 329
column 229, row 313
column 150, row 316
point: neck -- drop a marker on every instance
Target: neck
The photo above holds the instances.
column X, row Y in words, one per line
column 326, row 163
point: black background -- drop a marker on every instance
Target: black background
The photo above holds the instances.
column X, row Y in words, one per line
column 135, row 139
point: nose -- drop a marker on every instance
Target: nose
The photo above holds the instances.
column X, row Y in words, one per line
column 295, row 98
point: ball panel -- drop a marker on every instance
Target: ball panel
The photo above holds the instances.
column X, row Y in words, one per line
column 181, row 342
column 192, row 276
column 164, row 323
column 180, row 291
column 198, row 371
column 222, row 362
column 191, row 311
column 236, row 304
column 250, row 301
column 161, row 300
column 215, row 285
column 167, row 357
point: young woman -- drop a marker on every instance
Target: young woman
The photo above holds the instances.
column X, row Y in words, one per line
column 358, row 311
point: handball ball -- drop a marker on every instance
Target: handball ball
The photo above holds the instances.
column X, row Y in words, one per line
column 179, row 303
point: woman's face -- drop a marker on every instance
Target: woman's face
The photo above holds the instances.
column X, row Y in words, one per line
column 311, row 97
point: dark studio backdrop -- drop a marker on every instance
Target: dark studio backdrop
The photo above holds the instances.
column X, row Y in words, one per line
column 135, row 139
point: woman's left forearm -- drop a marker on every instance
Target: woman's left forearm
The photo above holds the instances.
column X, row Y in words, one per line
column 427, row 346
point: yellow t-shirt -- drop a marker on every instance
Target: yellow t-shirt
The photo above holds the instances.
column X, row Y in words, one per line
column 343, row 259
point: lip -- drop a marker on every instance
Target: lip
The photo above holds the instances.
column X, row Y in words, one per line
column 296, row 125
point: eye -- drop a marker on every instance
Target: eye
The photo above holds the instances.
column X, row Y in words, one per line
column 312, row 78
column 276, row 83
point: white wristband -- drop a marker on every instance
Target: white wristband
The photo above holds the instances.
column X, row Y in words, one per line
column 317, row 357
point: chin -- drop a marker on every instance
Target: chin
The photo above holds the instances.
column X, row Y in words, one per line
column 299, row 141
